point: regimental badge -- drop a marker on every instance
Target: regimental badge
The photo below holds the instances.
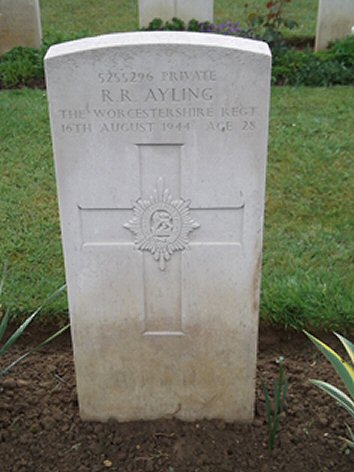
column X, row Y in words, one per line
column 161, row 225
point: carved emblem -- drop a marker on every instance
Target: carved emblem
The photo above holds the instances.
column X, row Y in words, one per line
column 161, row 225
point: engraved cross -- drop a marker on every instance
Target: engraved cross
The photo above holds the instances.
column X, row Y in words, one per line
column 164, row 226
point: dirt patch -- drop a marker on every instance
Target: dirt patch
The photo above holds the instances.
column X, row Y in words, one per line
column 40, row 428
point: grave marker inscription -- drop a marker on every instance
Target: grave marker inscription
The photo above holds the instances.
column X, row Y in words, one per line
column 160, row 143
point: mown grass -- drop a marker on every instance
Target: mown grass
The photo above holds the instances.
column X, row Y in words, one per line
column 95, row 17
column 307, row 277
column 308, row 256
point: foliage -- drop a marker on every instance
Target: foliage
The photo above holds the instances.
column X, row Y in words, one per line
column 4, row 321
column 176, row 24
column 266, row 25
column 22, row 66
column 275, row 408
column 345, row 370
column 334, row 66
column 227, row 28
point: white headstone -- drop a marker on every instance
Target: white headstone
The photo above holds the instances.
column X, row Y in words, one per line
column 160, row 143
column 20, row 24
column 335, row 19
column 202, row 10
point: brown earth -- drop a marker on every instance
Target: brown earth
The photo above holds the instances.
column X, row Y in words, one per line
column 40, row 428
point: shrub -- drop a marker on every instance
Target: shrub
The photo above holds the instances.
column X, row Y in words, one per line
column 22, row 66
column 332, row 67
column 266, row 25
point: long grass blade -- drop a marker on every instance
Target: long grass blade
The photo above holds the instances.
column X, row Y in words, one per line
column 337, row 394
column 285, row 391
column 2, row 281
column 21, row 358
column 350, row 440
column 350, row 433
column 4, row 320
column 343, row 369
column 274, row 432
column 24, row 325
column 4, row 323
column 349, row 346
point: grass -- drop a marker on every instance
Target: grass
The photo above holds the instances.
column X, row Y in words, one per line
column 30, row 236
column 309, row 219
column 95, row 17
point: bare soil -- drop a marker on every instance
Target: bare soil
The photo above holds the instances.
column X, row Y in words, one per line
column 41, row 431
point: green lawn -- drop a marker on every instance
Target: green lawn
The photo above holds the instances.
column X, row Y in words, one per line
column 106, row 16
column 309, row 219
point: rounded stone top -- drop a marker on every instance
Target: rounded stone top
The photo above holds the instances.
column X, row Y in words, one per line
column 144, row 38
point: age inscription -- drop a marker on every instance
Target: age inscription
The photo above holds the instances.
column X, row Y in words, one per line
column 163, row 102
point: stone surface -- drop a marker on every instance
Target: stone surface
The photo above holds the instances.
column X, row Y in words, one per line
column 20, row 24
column 202, row 10
column 335, row 19
column 160, row 144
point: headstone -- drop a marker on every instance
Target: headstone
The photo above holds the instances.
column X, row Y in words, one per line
column 202, row 10
column 20, row 24
column 335, row 19
column 160, row 144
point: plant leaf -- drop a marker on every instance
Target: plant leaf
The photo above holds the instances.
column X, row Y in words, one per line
column 350, row 440
column 21, row 358
column 3, row 323
column 343, row 369
column 285, row 391
column 337, row 394
column 24, row 325
column 4, row 272
column 349, row 346
column 350, row 433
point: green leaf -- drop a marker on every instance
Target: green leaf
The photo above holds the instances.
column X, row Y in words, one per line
column 18, row 332
column 350, row 440
column 4, row 272
column 21, row 358
column 24, row 325
column 252, row 17
column 3, row 323
column 349, row 346
column 285, row 391
column 337, row 394
column 343, row 369
column 290, row 24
